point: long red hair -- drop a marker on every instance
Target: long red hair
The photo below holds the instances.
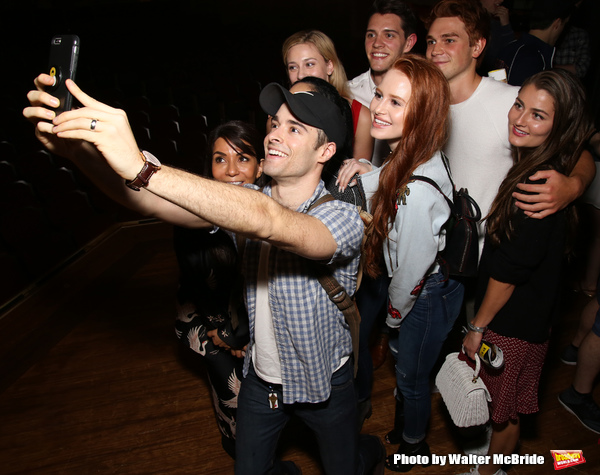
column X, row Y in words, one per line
column 425, row 132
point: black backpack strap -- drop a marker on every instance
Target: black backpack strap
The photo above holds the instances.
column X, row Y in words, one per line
column 426, row 179
column 447, row 167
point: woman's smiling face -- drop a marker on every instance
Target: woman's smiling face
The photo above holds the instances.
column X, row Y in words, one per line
column 389, row 107
column 531, row 117
column 230, row 165
column 305, row 60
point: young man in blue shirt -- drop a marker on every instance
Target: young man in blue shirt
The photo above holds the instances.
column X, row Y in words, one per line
column 299, row 356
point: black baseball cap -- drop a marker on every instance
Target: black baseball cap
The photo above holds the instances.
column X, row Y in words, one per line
column 309, row 107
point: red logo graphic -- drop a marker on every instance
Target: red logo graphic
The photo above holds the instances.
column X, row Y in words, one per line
column 567, row 458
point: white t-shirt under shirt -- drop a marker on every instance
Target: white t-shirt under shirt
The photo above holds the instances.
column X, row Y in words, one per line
column 478, row 148
column 265, row 355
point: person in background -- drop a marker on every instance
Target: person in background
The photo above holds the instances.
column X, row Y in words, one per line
column 577, row 398
column 391, row 32
column 501, row 33
column 588, row 254
column 573, row 49
column 212, row 321
column 534, row 51
column 312, row 53
column 520, row 269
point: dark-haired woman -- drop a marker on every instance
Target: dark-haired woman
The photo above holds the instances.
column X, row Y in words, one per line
column 211, row 318
column 520, row 266
column 410, row 111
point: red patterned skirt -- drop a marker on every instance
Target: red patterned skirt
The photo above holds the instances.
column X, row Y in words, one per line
column 514, row 389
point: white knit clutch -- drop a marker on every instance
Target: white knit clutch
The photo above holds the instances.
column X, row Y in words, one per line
column 463, row 392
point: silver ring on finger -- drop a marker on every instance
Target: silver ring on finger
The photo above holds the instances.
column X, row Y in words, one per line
column 93, row 124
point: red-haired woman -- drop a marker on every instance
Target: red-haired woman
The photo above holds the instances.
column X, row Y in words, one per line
column 410, row 111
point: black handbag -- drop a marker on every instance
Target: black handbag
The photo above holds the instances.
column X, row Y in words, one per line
column 460, row 257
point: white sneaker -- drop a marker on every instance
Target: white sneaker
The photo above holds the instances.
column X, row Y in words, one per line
column 480, row 444
column 475, row 471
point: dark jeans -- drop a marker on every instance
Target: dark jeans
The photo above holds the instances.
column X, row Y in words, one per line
column 417, row 347
column 371, row 300
column 332, row 421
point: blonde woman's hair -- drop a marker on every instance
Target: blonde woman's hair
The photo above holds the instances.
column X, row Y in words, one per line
column 326, row 48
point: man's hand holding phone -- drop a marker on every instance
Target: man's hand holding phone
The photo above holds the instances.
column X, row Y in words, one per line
column 72, row 132
column 103, row 126
column 42, row 112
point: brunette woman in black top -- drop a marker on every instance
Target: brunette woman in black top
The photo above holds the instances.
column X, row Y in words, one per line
column 522, row 257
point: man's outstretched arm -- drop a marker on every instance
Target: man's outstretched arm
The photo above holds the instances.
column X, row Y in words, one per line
column 237, row 209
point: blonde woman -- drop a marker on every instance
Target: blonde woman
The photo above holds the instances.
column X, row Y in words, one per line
column 312, row 53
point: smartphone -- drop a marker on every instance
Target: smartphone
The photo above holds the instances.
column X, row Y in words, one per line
column 64, row 54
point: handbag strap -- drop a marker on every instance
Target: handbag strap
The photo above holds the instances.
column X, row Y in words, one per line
column 477, row 368
column 338, row 295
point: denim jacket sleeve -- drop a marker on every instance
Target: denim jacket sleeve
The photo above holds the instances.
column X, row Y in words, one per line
column 412, row 246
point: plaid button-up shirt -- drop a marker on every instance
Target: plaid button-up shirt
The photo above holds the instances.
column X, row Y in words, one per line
column 311, row 333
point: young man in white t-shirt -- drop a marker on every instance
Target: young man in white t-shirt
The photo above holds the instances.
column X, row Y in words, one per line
column 478, row 147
